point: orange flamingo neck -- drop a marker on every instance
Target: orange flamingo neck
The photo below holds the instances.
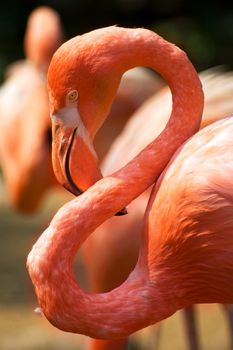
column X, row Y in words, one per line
column 70, row 308
column 127, row 308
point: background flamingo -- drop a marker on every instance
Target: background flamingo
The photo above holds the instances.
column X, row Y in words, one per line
column 133, row 323
column 24, row 115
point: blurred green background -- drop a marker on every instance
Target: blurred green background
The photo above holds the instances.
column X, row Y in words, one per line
column 205, row 31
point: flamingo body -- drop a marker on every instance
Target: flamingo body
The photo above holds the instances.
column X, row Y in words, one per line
column 196, row 192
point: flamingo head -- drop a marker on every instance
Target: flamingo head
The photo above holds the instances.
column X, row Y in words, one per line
column 43, row 36
column 81, row 91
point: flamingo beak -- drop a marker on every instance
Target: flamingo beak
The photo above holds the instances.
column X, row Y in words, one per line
column 74, row 161
column 62, row 145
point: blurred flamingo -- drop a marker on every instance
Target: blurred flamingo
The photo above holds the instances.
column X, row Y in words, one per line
column 189, row 261
column 43, row 36
column 24, row 115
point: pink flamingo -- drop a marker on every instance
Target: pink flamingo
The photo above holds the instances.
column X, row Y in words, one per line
column 56, row 306
column 190, row 260
column 100, row 263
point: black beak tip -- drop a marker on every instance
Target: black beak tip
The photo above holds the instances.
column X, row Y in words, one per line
column 72, row 188
column 122, row 212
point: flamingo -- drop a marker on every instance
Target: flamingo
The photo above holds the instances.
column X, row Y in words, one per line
column 185, row 256
column 45, row 282
column 43, row 36
column 101, row 264
column 24, row 115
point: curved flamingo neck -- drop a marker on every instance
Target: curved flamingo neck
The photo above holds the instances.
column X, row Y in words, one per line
column 138, row 302
column 121, row 311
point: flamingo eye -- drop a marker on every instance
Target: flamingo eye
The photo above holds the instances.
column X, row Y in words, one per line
column 72, row 95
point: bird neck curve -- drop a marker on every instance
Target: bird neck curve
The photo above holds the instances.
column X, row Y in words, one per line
column 128, row 307
column 135, row 304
